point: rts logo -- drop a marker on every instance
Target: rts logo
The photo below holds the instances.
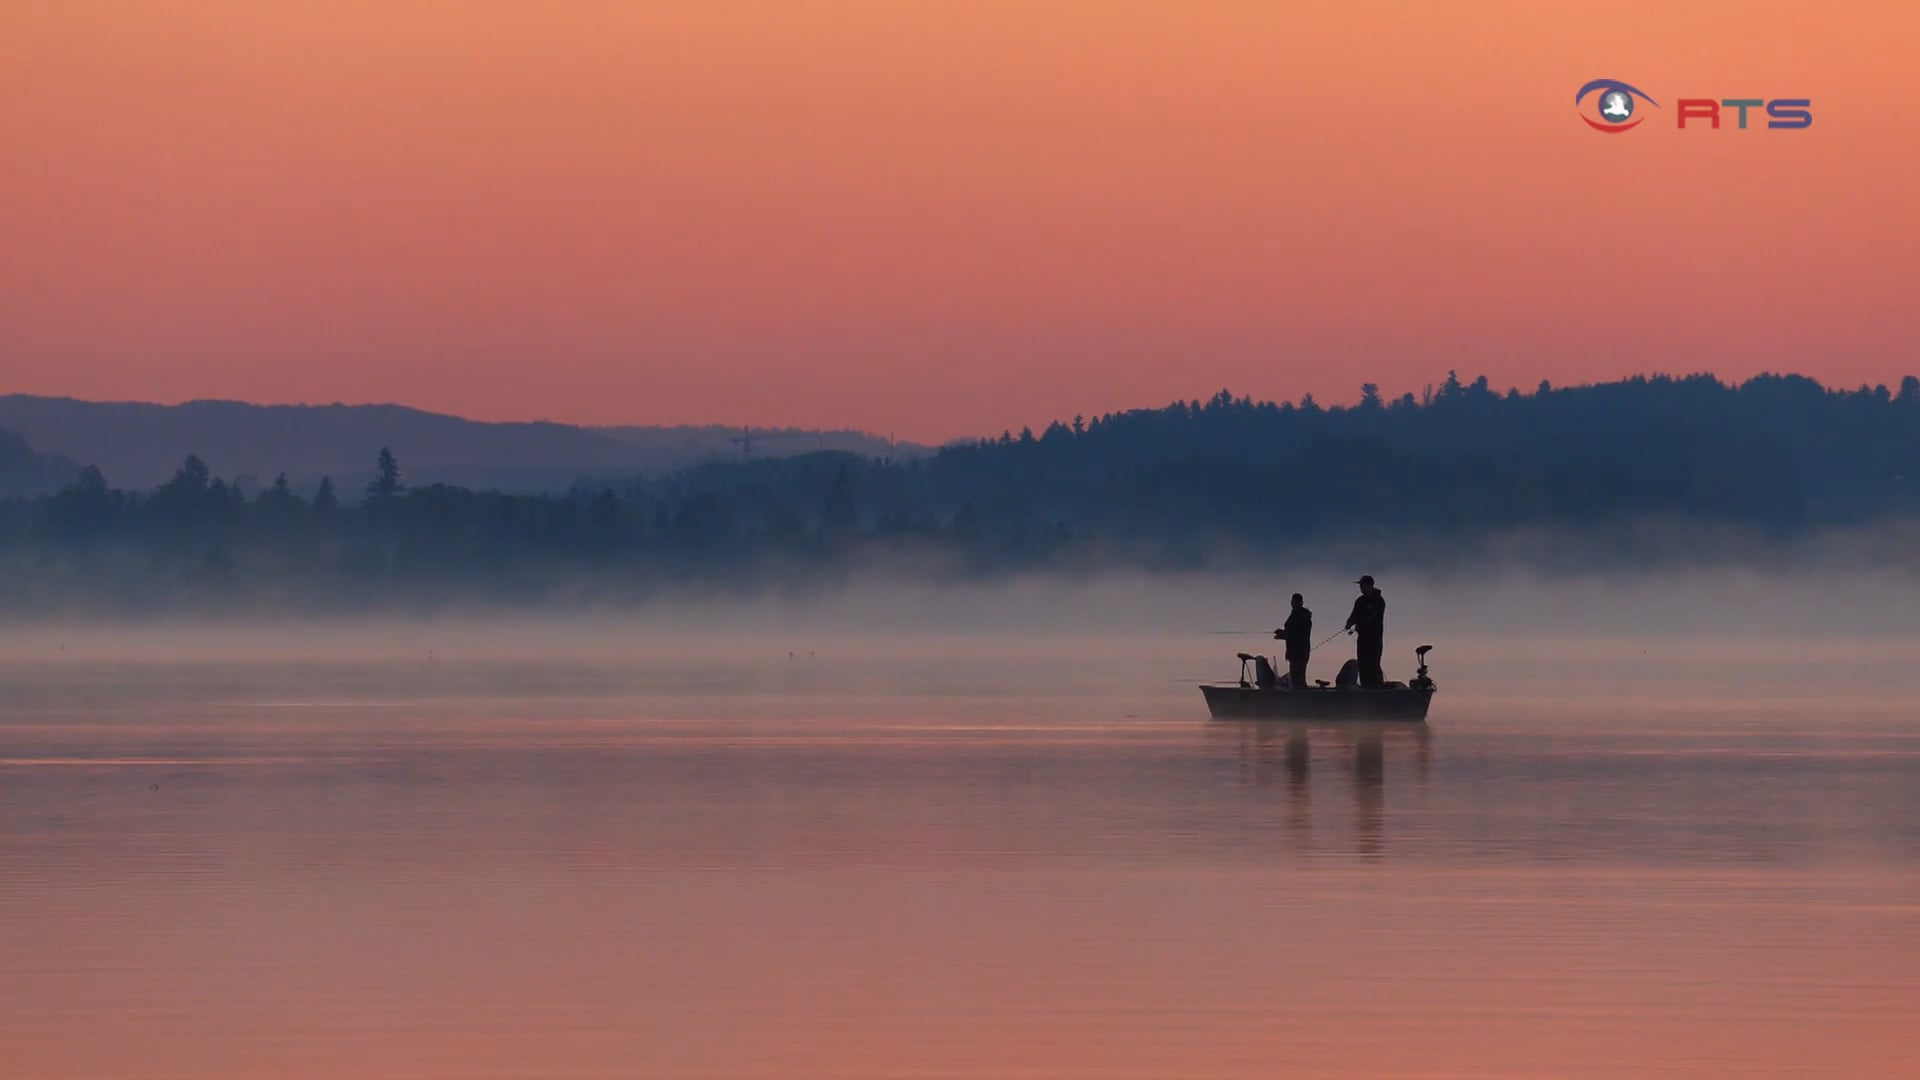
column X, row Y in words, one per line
column 1614, row 104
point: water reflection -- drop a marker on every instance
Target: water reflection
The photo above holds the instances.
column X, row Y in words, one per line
column 486, row 877
column 1273, row 752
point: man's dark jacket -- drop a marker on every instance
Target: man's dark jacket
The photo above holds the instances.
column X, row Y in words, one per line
column 1298, row 632
column 1369, row 618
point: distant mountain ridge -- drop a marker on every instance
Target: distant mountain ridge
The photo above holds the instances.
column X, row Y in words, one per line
column 23, row 471
column 139, row 444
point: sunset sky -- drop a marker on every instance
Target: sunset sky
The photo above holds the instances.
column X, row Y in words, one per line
column 937, row 219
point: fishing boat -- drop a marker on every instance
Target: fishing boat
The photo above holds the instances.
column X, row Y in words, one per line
column 1266, row 697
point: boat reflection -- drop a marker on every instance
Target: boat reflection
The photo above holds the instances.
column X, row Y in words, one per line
column 1275, row 752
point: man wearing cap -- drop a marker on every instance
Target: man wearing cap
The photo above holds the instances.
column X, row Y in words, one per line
column 1368, row 624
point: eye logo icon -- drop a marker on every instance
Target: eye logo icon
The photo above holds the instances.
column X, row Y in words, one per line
column 1612, row 105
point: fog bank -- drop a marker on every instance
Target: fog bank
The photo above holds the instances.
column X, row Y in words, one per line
column 1829, row 604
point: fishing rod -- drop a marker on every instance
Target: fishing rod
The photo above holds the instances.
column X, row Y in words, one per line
column 1276, row 633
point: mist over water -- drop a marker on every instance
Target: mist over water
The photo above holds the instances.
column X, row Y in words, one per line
column 1829, row 599
column 1657, row 824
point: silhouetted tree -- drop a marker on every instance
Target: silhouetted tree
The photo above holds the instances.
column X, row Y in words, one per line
column 185, row 502
column 386, row 482
column 280, row 492
column 190, row 481
column 279, row 508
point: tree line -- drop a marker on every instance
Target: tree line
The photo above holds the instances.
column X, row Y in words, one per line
column 1195, row 484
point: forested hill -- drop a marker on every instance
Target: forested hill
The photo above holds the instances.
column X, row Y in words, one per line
column 1193, row 485
column 1776, row 451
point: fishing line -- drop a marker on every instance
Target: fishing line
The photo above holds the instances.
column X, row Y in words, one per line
column 1322, row 641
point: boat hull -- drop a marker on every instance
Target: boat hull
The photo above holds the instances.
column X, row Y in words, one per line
column 1247, row 703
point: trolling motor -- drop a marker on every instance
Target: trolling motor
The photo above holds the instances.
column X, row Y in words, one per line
column 1420, row 680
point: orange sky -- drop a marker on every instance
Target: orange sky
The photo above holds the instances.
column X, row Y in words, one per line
column 936, row 219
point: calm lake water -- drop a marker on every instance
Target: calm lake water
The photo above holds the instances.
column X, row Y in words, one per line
column 954, row 858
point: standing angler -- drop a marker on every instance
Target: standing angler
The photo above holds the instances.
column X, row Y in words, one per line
column 1368, row 624
column 1298, row 633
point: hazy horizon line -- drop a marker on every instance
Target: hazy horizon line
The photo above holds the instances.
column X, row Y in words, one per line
column 1651, row 374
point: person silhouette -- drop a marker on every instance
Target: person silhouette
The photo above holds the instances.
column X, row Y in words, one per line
column 1368, row 624
column 1298, row 634
column 1616, row 105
